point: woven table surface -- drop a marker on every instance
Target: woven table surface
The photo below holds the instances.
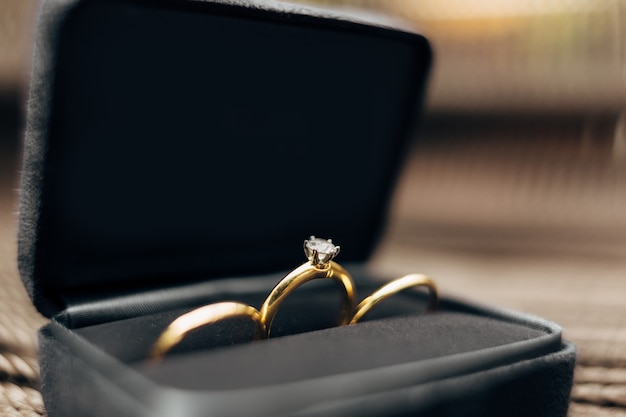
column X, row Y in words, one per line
column 575, row 276
column 529, row 228
column 19, row 321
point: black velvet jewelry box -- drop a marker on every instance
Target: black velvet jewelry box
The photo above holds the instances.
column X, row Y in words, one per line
column 177, row 153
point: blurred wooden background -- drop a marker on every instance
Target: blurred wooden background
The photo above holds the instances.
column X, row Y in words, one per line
column 514, row 193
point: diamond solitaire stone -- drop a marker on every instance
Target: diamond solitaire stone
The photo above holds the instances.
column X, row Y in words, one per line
column 320, row 251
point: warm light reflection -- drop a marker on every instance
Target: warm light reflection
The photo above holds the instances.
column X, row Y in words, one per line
column 480, row 9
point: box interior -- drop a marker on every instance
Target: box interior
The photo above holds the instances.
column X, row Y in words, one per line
column 307, row 344
column 189, row 141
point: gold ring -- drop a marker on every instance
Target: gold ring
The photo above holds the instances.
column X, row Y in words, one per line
column 204, row 316
column 320, row 253
column 394, row 287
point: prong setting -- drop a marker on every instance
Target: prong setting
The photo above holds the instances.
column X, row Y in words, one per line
column 320, row 251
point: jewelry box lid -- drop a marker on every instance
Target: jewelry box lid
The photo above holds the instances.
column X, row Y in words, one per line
column 171, row 141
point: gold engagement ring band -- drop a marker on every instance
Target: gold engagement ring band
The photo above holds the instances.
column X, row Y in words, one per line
column 394, row 287
column 320, row 253
column 320, row 265
column 204, row 316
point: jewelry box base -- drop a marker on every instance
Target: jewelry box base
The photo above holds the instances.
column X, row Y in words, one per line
column 463, row 360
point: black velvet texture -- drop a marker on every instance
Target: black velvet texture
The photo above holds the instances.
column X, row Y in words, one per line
column 177, row 141
column 340, row 351
column 538, row 387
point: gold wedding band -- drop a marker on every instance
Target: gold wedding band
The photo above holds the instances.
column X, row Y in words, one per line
column 394, row 287
column 204, row 316
column 320, row 253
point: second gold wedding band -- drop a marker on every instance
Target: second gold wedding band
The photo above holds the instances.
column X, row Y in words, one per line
column 394, row 287
column 204, row 316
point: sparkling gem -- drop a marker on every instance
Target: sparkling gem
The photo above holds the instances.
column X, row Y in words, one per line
column 323, row 247
column 320, row 251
